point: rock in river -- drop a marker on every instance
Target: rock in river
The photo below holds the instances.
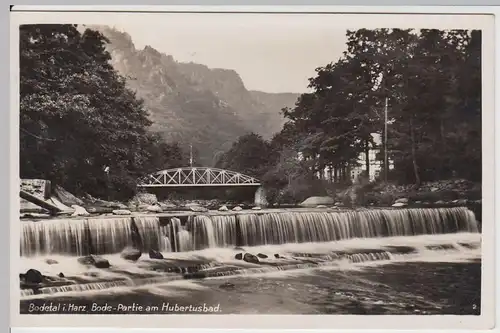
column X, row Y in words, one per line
column 155, row 254
column 94, row 260
column 79, row 211
column 198, row 209
column 238, row 256
column 51, row 261
column 251, row 258
column 32, row 276
column 262, row 255
column 121, row 212
column 131, row 254
column 316, row 201
column 154, row 209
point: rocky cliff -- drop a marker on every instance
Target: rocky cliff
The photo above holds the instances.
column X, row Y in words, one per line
column 191, row 103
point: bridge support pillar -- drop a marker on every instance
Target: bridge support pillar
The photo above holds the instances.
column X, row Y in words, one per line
column 260, row 197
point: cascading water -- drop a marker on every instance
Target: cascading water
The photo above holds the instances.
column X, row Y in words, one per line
column 111, row 235
column 302, row 227
column 149, row 232
column 61, row 236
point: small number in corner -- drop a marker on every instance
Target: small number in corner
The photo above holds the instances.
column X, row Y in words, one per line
column 474, row 306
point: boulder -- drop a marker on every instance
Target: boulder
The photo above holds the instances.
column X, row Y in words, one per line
column 51, row 262
column 99, row 210
column 100, row 262
column 121, row 212
column 154, row 209
column 434, row 189
column 250, row 258
column 321, row 206
column 277, row 256
column 110, row 204
column 238, row 256
column 256, row 208
column 402, row 200
column 61, row 275
column 262, row 255
column 79, row 211
column 223, row 209
column 146, row 198
column 399, row 204
column 237, row 208
column 33, row 276
column 316, row 201
column 440, row 202
column 198, row 209
column 94, row 260
column 155, row 254
column 166, row 205
column 131, row 254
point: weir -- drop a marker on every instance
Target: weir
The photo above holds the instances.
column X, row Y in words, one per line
column 112, row 234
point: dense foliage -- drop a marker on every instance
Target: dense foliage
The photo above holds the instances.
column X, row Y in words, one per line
column 79, row 125
column 430, row 83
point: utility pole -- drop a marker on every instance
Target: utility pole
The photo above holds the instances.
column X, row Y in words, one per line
column 191, row 155
column 386, row 161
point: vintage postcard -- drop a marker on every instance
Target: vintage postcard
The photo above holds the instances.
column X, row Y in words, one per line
column 177, row 166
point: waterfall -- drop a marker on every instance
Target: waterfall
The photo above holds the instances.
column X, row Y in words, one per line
column 110, row 235
column 149, row 231
column 219, row 230
column 61, row 236
column 203, row 229
column 302, row 227
column 113, row 234
column 103, row 235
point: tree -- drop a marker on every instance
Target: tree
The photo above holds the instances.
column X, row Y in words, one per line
column 432, row 81
column 80, row 126
column 250, row 155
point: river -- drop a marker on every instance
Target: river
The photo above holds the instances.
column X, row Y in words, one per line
column 404, row 261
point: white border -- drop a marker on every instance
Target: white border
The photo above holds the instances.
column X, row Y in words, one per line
column 485, row 321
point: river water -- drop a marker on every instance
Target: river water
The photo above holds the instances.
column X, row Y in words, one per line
column 407, row 261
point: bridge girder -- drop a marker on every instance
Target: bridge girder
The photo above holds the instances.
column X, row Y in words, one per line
column 197, row 177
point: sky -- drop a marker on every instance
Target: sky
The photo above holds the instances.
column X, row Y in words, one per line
column 270, row 54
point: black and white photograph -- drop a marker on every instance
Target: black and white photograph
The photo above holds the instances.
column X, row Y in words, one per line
column 250, row 164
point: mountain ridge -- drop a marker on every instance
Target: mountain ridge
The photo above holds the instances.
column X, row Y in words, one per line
column 191, row 103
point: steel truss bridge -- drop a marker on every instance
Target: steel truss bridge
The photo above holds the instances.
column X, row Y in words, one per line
column 197, row 177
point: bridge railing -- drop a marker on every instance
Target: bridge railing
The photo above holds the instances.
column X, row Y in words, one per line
column 199, row 176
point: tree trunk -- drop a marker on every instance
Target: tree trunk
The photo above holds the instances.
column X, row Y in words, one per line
column 414, row 153
column 335, row 176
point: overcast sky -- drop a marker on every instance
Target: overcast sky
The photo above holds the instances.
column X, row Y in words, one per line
column 271, row 54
